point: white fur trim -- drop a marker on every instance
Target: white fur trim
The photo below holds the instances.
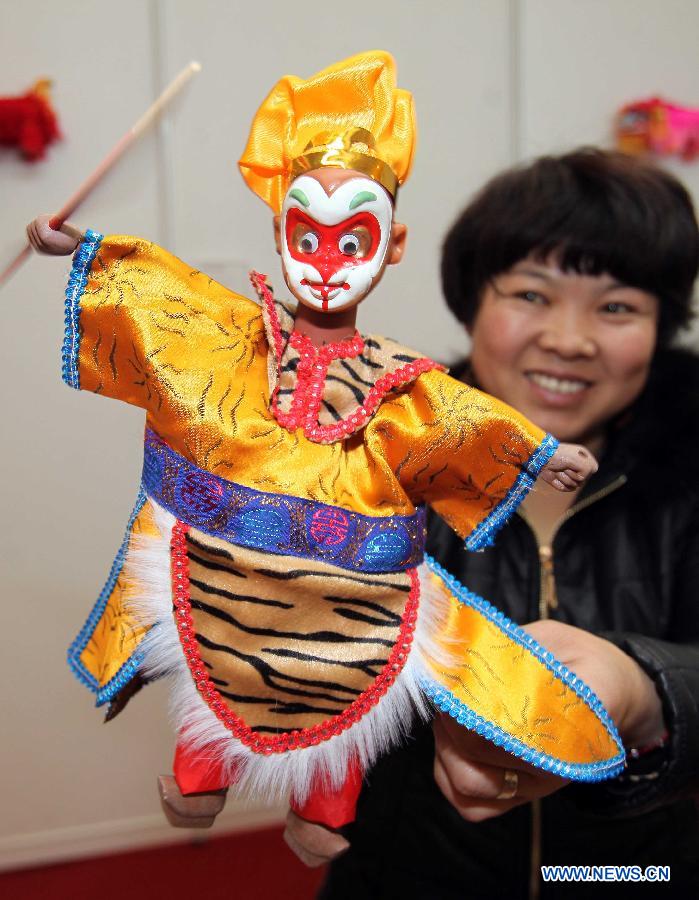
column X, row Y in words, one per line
column 276, row 775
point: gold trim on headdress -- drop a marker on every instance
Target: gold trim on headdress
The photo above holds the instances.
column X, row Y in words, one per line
column 350, row 115
column 355, row 149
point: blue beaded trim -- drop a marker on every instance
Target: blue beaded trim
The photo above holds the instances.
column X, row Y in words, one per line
column 463, row 714
column 126, row 672
column 77, row 280
column 280, row 523
column 483, row 535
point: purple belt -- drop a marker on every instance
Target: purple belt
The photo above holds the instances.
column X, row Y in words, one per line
column 280, row 523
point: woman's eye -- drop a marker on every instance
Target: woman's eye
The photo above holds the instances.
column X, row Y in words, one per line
column 531, row 297
column 308, row 242
column 349, row 244
column 617, row 308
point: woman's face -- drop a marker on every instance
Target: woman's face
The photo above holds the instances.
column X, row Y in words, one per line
column 569, row 351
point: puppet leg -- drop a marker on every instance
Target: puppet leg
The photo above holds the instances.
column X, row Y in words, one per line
column 196, row 793
column 331, row 808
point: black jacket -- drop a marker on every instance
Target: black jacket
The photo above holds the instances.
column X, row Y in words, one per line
column 626, row 566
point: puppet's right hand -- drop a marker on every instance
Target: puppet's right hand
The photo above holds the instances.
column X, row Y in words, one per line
column 60, row 242
column 313, row 843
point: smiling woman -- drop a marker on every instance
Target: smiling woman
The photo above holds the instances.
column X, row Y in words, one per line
column 571, row 275
column 570, row 350
column 592, row 213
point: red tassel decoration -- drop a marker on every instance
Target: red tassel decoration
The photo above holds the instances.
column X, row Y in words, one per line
column 29, row 122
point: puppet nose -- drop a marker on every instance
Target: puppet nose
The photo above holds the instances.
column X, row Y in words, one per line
column 327, row 268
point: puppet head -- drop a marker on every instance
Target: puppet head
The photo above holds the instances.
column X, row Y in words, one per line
column 328, row 155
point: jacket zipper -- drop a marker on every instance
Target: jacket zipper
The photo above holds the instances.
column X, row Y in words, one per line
column 548, row 600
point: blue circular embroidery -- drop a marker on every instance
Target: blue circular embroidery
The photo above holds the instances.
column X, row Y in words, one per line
column 386, row 549
column 262, row 526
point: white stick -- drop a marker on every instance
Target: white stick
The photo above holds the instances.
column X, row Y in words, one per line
column 109, row 161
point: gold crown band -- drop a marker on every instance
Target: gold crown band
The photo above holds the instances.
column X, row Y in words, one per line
column 374, row 168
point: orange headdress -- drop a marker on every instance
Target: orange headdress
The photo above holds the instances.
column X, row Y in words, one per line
column 351, row 115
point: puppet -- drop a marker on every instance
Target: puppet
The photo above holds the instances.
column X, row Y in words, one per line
column 273, row 565
column 658, row 127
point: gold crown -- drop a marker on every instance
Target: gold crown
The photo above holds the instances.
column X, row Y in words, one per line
column 355, row 149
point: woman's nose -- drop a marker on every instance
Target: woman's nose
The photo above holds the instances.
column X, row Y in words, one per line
column 568, row 340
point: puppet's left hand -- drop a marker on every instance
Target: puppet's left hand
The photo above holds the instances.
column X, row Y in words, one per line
column 569, row 466
column 483, row 781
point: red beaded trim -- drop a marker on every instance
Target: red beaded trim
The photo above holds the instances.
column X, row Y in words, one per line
column 290, row 740
column 311, row 373
column 260, row 285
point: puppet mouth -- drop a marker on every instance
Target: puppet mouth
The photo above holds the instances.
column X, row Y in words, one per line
column 321, row 290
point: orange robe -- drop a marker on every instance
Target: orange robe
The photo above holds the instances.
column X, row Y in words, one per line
column 267, row 452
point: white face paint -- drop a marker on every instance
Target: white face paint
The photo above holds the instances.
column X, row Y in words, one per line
column 334, row 247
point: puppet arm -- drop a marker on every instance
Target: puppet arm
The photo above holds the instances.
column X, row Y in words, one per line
column 143, row 327
column 468, row 455
column 139, row 320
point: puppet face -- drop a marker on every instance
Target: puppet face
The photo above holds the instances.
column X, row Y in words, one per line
column 334, row 246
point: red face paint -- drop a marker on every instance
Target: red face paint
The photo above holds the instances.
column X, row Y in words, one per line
column 331, row 248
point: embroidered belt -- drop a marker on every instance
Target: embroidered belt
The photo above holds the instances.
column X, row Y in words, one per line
column 280, row 523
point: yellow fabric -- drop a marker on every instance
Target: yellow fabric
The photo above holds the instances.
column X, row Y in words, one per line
column 299, row 115
column 510, row 688
column 167, row 338
column 116, row 637
column 194, row 356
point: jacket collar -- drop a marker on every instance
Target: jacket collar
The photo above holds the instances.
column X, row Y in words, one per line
column 655, row 441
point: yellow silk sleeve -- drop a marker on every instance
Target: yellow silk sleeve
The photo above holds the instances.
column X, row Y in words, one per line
column 469, row 456
column 138, row 318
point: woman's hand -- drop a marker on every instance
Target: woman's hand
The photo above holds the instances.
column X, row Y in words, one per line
column 60, row 242
column 569, row 466
column 482, row 781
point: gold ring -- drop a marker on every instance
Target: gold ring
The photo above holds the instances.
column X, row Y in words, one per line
column 510, row 783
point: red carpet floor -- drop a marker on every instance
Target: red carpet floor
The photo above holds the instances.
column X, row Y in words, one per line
column 250, row 866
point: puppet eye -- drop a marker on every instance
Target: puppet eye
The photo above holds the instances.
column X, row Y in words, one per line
column 349, row 244
column 308, row 242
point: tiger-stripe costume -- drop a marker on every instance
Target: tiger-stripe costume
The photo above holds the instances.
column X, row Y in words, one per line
column 289, row 643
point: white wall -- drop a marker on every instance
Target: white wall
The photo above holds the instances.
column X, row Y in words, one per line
column 493, row 80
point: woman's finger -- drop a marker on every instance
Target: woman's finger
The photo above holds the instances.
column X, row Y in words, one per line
column 470, row 779
column 487, row 772
column 473, row 746
column 471, row 808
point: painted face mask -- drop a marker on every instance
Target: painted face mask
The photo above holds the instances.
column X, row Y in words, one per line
column 333, row 247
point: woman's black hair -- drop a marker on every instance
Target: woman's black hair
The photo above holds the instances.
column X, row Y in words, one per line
column 594, row 211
